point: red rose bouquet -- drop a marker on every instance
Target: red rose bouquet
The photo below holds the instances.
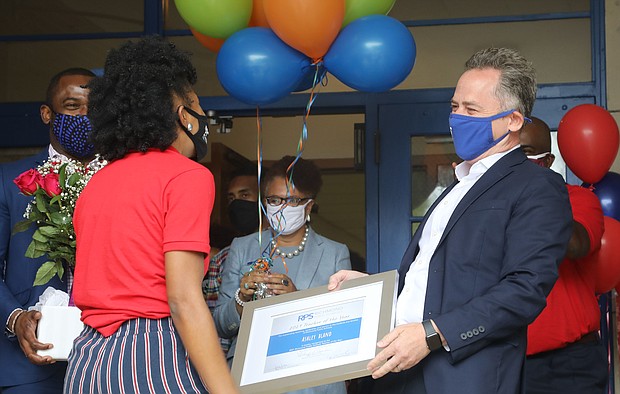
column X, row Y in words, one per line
column 55, row 186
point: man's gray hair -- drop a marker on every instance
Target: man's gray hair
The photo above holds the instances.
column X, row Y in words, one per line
column 517, row 83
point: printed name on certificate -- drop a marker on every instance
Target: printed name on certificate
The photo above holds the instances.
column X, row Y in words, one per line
column 315, row 335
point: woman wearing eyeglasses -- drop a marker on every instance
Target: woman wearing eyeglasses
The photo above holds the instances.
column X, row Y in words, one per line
column 296, row 257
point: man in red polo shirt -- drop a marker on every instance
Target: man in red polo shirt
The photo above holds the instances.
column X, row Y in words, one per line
column 564, row 351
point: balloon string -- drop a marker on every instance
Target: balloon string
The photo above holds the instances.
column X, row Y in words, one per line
column 261, row 207
column 271, row 246
column 278, row 216
column 304, row 131
column 259, row 169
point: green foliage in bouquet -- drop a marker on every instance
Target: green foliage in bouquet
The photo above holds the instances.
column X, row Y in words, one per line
column 55, row 187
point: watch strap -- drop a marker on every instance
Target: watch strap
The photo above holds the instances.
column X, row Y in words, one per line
column 433, row 340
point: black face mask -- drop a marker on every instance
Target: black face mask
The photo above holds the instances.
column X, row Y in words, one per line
column 200, row 138
column 244, row 216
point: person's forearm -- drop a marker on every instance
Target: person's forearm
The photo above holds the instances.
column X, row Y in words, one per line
column 195, row 327
column 579, row 243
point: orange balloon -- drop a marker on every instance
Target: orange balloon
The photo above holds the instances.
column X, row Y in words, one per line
column 603, row 267
column 212, row 44
column 258, row 18
column 310, row 26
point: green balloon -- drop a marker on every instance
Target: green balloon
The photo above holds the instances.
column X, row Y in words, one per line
column 358, row 8
column 215, row 18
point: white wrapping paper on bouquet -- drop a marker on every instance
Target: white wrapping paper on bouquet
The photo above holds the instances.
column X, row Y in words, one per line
column 60, row 324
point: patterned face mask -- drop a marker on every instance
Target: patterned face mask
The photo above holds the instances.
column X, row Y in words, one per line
column 286, row 219
column 72, row 133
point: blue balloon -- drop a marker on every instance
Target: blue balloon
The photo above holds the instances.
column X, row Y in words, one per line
column 608, row 192
column 256, row 67
column 372, row 54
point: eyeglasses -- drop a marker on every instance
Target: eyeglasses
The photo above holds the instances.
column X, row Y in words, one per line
column 276, row 201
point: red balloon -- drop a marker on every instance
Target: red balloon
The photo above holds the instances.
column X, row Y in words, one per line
column 588, row 141
column 211, row 43
column 603, row 267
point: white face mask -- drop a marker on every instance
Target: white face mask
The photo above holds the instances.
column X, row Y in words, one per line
column 539, row 156
column 286, row 220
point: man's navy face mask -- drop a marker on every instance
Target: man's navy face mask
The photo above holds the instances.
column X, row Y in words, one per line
column 72, row 133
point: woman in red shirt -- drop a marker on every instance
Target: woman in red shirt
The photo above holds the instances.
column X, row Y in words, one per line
column 142, row 227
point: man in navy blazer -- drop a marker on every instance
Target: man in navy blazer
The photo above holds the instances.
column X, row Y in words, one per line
column 486, row 254
column 21, row 369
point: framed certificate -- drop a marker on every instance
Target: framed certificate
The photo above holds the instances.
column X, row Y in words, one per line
column 313, row 337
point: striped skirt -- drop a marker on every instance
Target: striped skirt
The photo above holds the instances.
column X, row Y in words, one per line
column 143, row 356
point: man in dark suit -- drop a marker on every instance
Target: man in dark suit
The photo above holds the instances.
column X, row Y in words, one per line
column 486, row 254
column 21, row 369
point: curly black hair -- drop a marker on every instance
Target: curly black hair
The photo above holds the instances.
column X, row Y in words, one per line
column 306, row 175
column 131, row 105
